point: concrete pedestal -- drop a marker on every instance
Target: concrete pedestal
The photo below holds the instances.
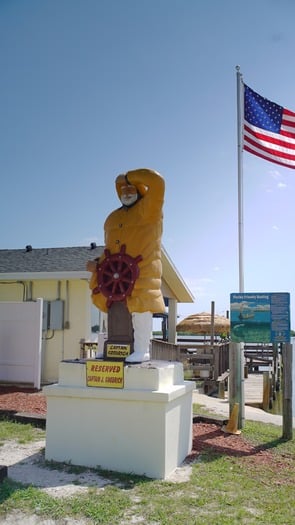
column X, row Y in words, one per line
column 144, row 428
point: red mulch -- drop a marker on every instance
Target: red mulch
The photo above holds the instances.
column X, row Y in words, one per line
column 210, row 436
column 205, row 435
column 27, row 400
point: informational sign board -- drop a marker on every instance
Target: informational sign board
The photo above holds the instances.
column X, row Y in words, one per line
column 117, row 351
column 260, row 317
column 105, row 374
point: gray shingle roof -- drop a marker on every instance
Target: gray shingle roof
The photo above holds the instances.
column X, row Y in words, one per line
column 47, row 259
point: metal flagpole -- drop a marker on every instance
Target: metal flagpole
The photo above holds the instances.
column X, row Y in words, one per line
column 240, row 118
column 236, row 350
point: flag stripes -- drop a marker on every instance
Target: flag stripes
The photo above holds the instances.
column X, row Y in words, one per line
column 269, row 129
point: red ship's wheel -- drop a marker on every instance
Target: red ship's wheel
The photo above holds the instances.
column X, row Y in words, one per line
column 116, row 275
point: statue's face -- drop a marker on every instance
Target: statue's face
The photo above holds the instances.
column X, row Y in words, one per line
column 128, row 195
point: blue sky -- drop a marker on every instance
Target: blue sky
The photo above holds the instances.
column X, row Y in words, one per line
column 93, row 88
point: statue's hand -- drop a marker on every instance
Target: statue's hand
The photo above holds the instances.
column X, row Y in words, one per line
column 121, row 180
column 91, row 266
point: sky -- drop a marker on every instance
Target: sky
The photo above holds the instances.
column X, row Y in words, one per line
column 94, row 88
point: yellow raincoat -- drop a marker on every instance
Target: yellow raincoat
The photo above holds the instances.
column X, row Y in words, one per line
column 139, row 227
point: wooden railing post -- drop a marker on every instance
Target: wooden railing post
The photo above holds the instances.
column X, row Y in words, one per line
column 266, row 391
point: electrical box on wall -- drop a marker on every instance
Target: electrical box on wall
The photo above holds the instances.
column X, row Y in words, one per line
column 53, row 315
column 56, row 318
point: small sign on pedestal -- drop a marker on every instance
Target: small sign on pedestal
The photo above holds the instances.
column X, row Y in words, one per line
column 105, row 374
column 116, row 350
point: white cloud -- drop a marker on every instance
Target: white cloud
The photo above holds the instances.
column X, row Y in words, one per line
column 278, row 178
column 200, row 287
column 275, row 174
column 282, row 185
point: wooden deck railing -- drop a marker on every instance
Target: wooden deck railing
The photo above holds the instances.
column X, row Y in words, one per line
column 164, row 351
column 203, row 359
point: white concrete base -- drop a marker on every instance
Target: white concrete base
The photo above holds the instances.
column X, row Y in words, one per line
column 144, row 428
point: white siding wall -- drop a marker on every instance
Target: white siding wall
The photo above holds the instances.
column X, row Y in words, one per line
column 20, row 342
column 59, row 344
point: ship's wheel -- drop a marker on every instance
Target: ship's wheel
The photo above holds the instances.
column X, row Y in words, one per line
column 116, row 275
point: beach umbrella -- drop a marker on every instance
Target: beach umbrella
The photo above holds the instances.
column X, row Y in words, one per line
column 202, row 323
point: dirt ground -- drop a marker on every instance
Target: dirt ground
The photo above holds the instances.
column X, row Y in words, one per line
column 26, row 463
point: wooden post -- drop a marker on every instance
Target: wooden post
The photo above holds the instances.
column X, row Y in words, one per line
column 287, row 391
column 266, row 391
column 212, row 323
column 236, row 380
column 216, row 366
column 221, row 390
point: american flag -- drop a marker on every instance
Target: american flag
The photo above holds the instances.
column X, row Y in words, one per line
column 269, row 129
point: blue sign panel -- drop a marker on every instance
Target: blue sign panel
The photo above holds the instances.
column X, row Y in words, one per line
column 260, row 317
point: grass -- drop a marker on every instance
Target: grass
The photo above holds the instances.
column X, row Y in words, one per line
column 19, row 432
column 222, row 489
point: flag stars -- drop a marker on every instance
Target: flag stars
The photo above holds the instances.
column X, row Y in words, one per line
column 261, row 112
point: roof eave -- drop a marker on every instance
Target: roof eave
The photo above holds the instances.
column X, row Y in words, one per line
column 44, row 276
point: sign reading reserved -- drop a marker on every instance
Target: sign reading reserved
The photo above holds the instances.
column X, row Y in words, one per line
column 106, row 374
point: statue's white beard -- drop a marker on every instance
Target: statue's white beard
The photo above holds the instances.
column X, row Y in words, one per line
column 128, row 200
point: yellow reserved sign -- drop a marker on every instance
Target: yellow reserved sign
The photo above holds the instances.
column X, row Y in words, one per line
column 106, row 374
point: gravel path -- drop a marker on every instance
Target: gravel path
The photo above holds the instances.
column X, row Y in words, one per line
column 26, row 464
